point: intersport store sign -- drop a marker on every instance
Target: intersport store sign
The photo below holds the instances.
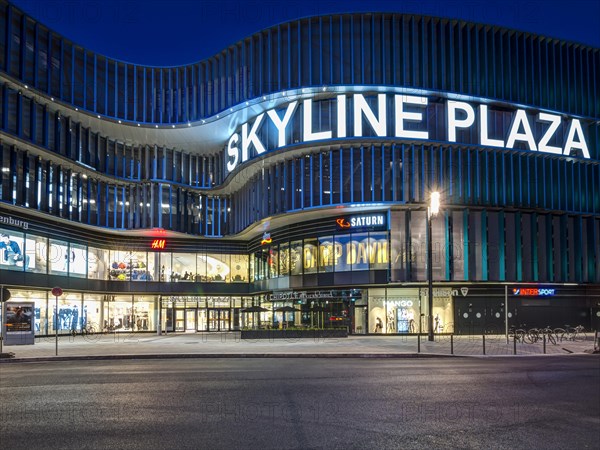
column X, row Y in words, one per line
column 392, row 115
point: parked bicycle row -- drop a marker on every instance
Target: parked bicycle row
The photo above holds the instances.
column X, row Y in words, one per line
column 551, row 335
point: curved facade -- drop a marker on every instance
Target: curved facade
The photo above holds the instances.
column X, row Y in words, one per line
column 295, row 168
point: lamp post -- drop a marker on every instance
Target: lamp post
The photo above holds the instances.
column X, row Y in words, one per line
column 432, row 210
column 57, row 292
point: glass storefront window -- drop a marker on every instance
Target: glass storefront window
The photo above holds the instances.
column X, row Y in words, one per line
column 144, row 313
column 12, row 246
column 443, row 316
column 38, row 261
column 296, row 258
column 138, row 264
column 359, row 251
column 260, row 264
column 273, row 261
column 402, row 311
column 311, row 255
column 184, row 267
column 284, row 259
column 239, row 268
column 166, row 272
column 377, row 313
column 201, row 267
column 129, row 266
column 98, row 261
column 226, row 260
column 217, row 267
column 118, row 313
column 378, row 251
column 252, row 271
column 92, row 311
column 394, row 311
column 418, row 233
column 59, row 257
column 70, row 313
column 327, row 255
column 342, row 245
column 78, row 260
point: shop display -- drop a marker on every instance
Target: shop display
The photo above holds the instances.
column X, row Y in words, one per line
column 129, row 269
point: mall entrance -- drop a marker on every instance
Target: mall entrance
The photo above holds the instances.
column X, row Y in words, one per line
column 197, row 314
column 219, row 319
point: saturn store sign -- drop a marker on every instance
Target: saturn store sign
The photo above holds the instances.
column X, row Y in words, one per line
column 362, row 222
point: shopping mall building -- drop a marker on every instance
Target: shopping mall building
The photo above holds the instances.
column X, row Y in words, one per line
column 291, row 173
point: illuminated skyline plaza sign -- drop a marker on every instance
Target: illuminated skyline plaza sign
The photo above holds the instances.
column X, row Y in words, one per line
column 533, row 131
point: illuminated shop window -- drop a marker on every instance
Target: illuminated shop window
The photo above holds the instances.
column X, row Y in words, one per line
column 130, row 266
column 98, row 263
column 184, row 267
column 13, row 255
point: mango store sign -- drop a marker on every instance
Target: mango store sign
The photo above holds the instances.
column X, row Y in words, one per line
column 404, row 117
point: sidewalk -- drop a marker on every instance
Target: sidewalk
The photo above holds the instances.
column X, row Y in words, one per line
column 229, row 345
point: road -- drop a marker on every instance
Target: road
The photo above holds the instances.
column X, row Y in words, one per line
column 511, row 403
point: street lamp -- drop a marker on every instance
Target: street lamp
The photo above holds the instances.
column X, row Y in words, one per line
column 432, row 210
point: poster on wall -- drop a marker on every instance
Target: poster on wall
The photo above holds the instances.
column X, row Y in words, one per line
column 19, row 318
column 19, row 323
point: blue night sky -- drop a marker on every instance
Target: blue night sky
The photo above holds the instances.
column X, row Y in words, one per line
column 177, row 32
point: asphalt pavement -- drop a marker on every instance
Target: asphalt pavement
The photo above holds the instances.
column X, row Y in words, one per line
column 527, row 402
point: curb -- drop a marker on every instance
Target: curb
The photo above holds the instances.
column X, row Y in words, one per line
column 228, row 355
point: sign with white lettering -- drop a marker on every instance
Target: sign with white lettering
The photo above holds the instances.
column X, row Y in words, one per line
column 302, row 295
column 534, row 292
column 8, row 220
column 375, row 221
column 394, row 115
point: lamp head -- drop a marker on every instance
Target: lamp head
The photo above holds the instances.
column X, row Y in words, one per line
column 435, row 202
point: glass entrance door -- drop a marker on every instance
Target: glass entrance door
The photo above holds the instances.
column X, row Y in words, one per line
column 360, row 320
column 202, row 320
column 179, row 320
column 190, row 320
column 219, row 319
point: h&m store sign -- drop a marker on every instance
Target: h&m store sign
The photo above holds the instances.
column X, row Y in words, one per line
column 393, row 115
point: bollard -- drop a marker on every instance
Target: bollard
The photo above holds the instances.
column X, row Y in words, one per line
column 596, row 341
column 515, row 344
column 419, row 343
column 452, row 344
column 544, row 343
column 484, row 344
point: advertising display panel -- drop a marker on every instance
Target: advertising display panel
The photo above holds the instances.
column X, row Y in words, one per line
column 19, row 323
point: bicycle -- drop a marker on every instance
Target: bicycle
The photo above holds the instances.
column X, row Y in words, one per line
column 576, row 334
column 84, row 331
column 549, row 334
column 532, row 335
column 518, row 334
